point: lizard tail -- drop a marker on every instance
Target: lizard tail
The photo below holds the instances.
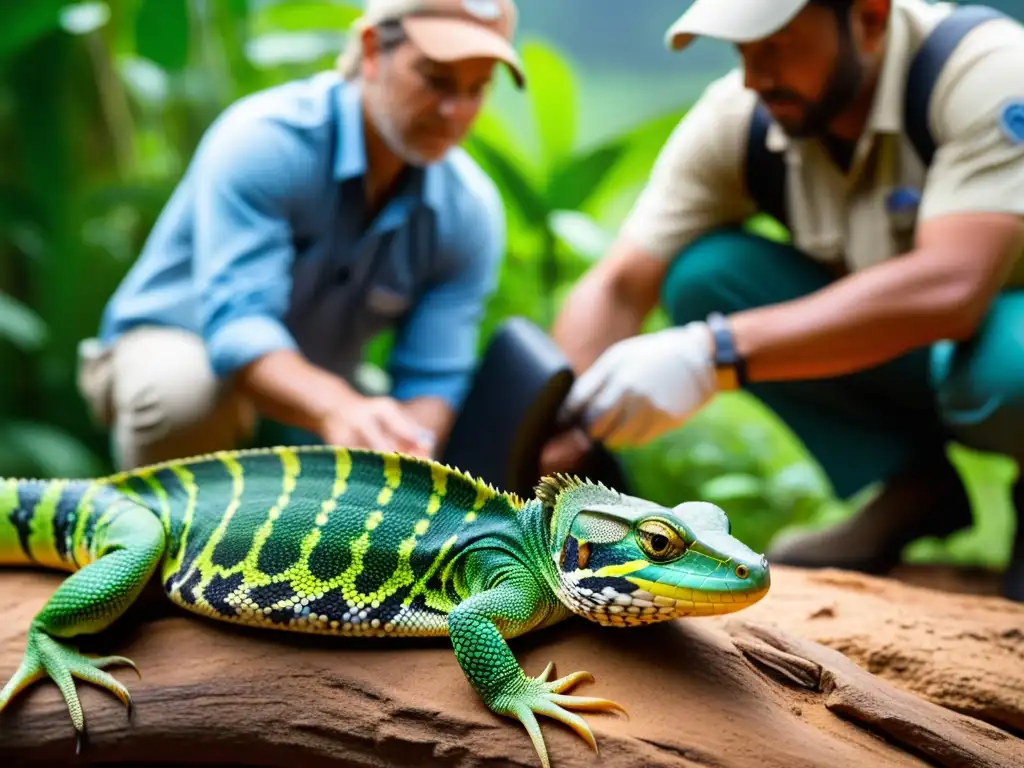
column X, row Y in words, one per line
column 49, row 523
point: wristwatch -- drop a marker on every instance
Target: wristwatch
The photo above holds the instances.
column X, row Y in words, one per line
column 730, row 368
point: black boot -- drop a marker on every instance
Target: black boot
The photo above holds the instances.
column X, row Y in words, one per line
column 927, row 499
column 1013, row 578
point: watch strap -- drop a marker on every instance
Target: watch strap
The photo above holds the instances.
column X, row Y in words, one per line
column 729, row 364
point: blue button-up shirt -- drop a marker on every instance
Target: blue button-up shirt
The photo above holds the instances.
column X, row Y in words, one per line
column 267, row 244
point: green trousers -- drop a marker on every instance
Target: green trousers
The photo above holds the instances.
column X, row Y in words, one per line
column 865, row 426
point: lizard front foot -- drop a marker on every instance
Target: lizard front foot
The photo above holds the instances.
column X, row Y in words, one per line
column 537, row 696
column 45, row 656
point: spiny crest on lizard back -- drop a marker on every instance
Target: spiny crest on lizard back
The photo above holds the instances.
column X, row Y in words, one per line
column 562, row 495
column 486, row 489
column 319, row 538
column 624, row 561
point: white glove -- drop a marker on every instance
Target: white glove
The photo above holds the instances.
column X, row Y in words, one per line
column 644, row 386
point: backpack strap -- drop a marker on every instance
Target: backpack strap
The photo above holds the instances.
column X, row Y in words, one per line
column 765, row 170
column 927, row 66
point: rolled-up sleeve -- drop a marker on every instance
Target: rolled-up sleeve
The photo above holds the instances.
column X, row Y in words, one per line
column 435, row 349
column 243, row 252
column 978, row 122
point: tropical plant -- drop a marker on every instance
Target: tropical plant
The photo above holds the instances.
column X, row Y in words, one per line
column 101, row 107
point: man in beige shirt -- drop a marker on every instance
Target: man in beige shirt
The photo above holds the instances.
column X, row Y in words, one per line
column 893, row 323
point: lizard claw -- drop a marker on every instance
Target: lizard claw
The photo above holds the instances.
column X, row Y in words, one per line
column 538, row 696
column 46, row 657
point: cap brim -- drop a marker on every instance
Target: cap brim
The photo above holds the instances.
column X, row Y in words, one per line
column 448, row 39
column 733, row 21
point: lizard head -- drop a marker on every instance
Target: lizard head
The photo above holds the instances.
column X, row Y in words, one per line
column 625, row 561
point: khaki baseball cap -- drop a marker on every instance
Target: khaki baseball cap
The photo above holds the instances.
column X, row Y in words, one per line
column 733, row 21
column 445, row 30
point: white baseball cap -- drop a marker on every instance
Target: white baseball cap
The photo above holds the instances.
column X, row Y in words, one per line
column 445, row 30
column 733, row 21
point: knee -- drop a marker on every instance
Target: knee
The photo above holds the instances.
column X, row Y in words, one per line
column 717, row 272
column 161, row 387
column 693, row 285
column 979, row 385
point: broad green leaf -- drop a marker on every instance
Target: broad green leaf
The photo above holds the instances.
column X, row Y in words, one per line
column 799, row 480
column 304, row 17
column 640, row 149
column 50, row 451
column 551, row 89
column 731, row 487
column 515, row 187
column 147, row 198
column 574, row 178
column 226, row 28
column 238, row 9
column 580, row 232
column 22, row 22
column 144, row 80
column 20, row 325
column 15, row 206
column 489, row 127
column 275, row 49
column 83, row 18
column 162, row 33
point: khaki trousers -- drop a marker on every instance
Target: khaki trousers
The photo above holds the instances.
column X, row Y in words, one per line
column 155, row 389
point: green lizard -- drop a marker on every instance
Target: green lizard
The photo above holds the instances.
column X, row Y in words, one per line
column 353, row 542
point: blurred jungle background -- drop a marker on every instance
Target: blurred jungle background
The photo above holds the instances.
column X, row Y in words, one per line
column 102, row 103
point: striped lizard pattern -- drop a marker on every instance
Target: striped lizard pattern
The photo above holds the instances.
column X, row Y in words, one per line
column 349, row 542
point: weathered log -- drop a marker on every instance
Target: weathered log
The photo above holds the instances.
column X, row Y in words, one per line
column 757, row 689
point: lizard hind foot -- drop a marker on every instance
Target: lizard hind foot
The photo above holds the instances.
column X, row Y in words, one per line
column 47, row 657
column 538, row 696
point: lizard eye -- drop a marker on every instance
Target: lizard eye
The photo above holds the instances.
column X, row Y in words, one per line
column 659, row 541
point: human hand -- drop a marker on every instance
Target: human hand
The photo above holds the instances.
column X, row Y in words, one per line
column 644, row 386
column 564, row 452
column 377, row 423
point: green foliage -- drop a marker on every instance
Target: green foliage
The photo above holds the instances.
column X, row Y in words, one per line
column 102, row 105
column 735, row 455
column 558, row 197
column 20, row 325
column 21, row 24
column 162, row 33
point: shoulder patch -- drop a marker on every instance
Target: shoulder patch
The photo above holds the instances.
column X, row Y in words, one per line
column 1011, row 120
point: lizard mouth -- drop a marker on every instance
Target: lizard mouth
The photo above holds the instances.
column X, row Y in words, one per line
column 632, row 601
column 640, row 613
column 710, row 600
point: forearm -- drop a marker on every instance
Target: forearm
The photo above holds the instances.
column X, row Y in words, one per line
column 286, row 387
column 600, row 311
column 862, row 320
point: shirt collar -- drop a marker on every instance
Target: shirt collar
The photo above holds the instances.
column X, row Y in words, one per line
column 350, row 156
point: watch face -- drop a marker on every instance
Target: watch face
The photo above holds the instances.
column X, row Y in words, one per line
column 725, row 350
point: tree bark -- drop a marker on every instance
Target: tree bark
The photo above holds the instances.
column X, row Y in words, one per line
column 734, row 691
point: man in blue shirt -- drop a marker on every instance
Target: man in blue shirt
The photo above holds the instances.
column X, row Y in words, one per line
column 313, row 216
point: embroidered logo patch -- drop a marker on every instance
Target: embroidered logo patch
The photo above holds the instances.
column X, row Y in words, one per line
column 902, row 199
column 486, row 10
column 1011, row 120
